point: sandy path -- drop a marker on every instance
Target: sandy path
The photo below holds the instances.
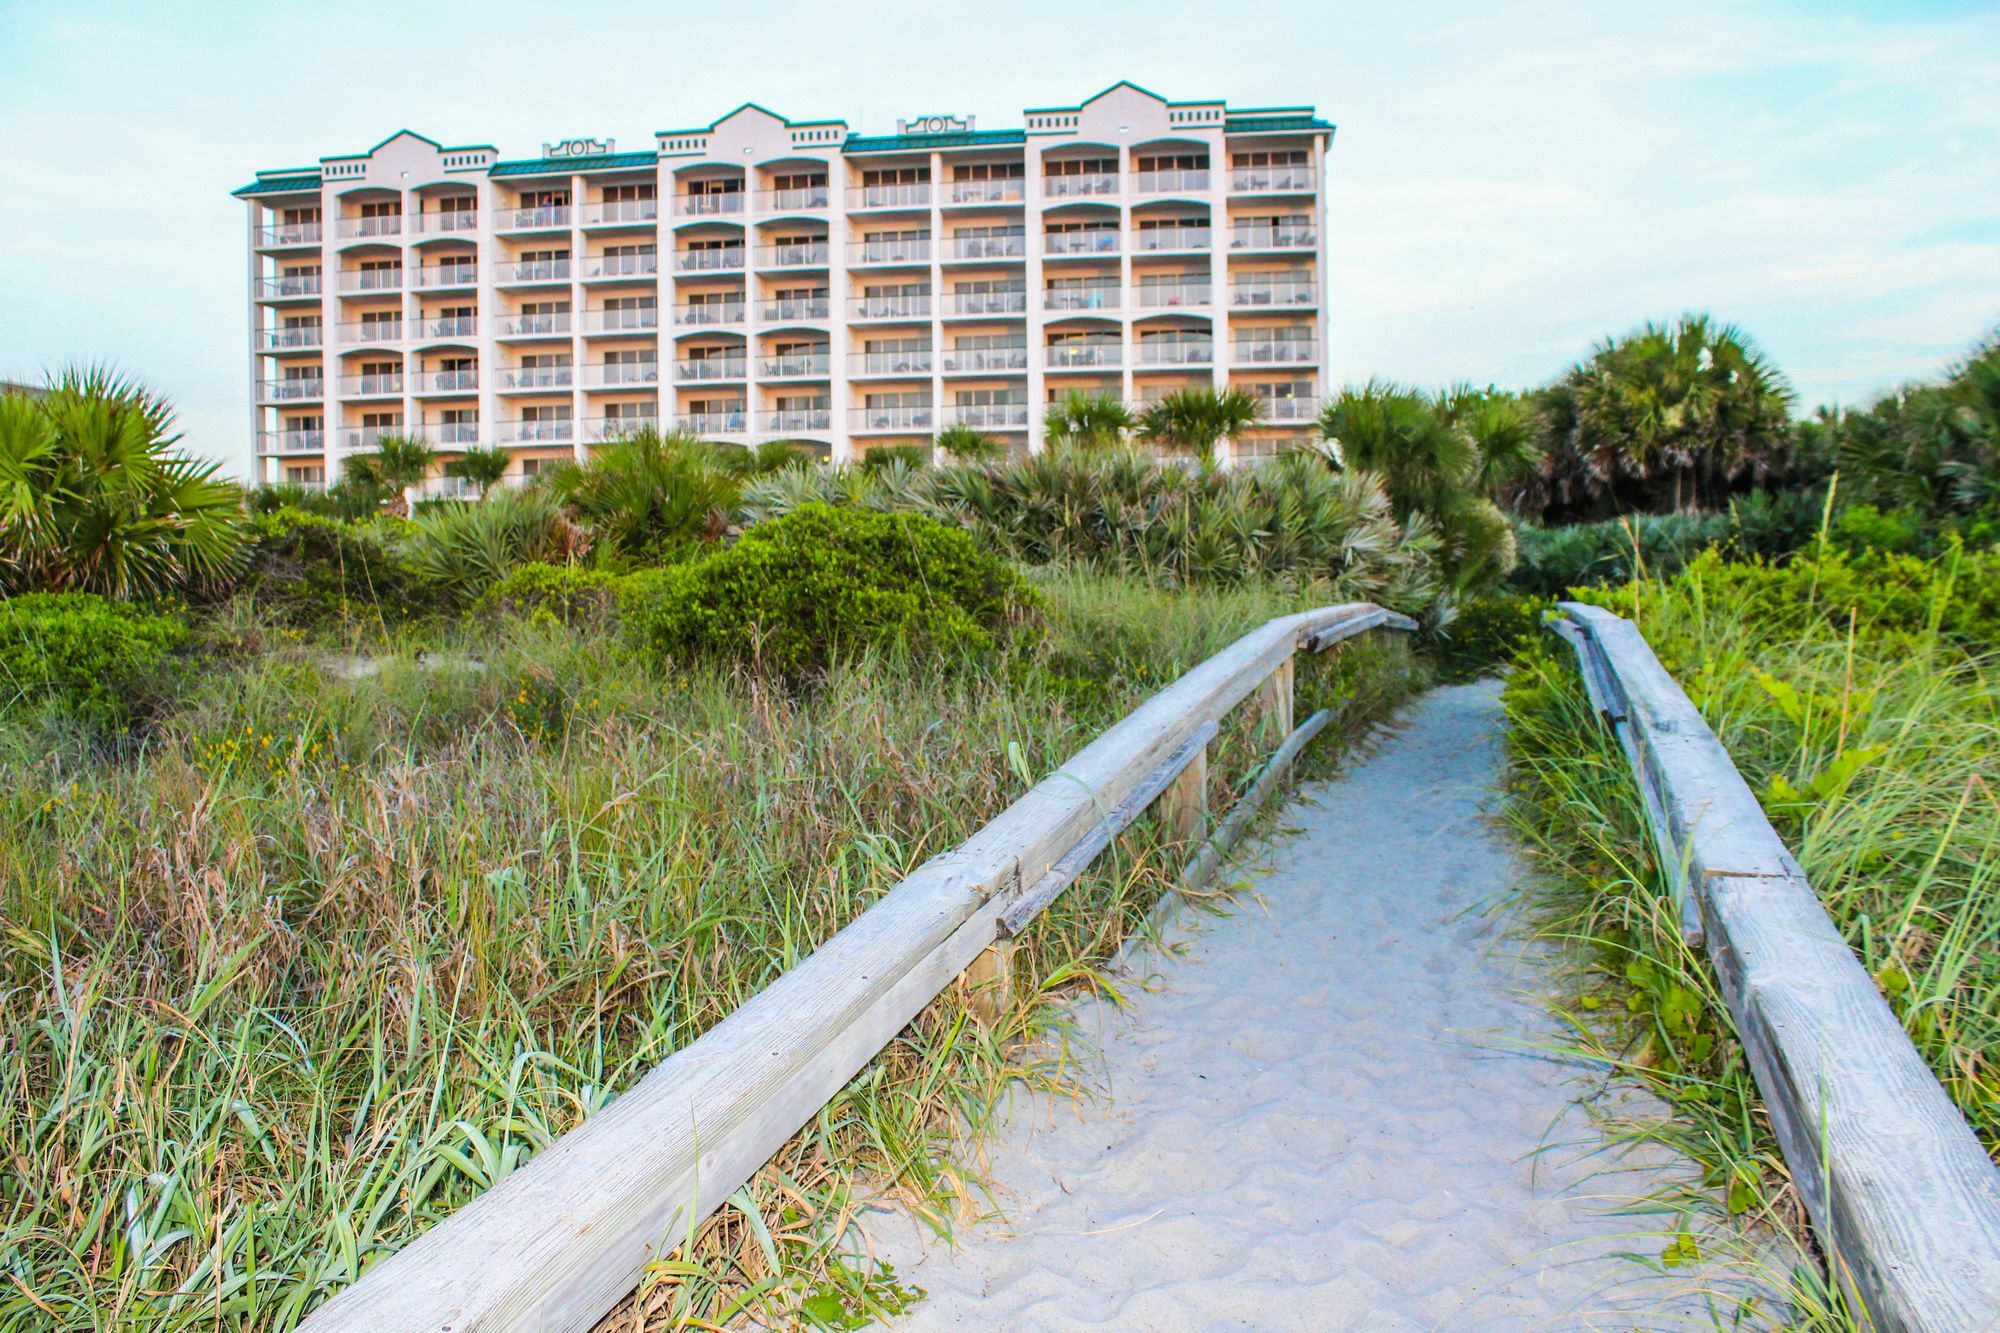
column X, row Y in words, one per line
column 1326, row 1115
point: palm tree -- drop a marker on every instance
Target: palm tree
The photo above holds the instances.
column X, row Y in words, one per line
column 94, row 497
column 1089, row 423
column 645, row 490
column 482, row 467
column 397, row 463
column 968, row 444
column 1198, row 418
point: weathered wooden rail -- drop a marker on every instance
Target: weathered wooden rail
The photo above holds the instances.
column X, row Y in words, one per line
column 1902, row 1196
column 563, row 1239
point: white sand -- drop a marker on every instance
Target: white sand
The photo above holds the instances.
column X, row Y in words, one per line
column 1329, row 1112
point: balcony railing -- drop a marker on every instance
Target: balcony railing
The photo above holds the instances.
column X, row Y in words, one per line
column 796, row 308
column 371, row 385
column 1176, row 352
column 989, row 416
column 621, row 320
column 450, row 326
column 1264, row 180
column 356, row 228
column 1289, row 409
column 707, row 205
column 449, row 488
column 1286, row 236
column 1100, row 296
column 733, row 421
column 291, row 441
column 556, row 431
column 914, row 251
column 695, row 370
column 528, row 326
column 360, row 438
column 960, row 360
column 1184, row 180
column 531, row 270
column 1013, row 245
column 454, row 432
column 797, row 365
column 292, row 391
column 1287, row 293
column 708, row 261
column 621, row 210
column 800, row 199
column 1153, row 239
column 1066, row 356
column 1069, row 187
column 914, row 194
column 1285, row 352
column 289, row 285
column 890, row 307
column 547, row 217
column 1081, row 242
column 917, row 362
column 371, row 279
column 289, row 233
column 448, row 275
column 1173, row 295
column 617, row 428
column 537, row 377
column 814, row 255
column 1004, row 191
column 448, row 381
column 440, row 222
column 712, row 312
column 1012, row 301
column 621, row 266
column 607, row 374
column 796, row 418
column 919, row 416
column 290, row 340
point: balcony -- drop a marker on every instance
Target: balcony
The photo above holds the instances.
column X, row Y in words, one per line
column 352, row 229
column 709, row 313
column 1187, row 180
column 448, row 381
column 621, row 266
column 915, row 194
column 1174, row 295
column 450, row 326
column 916, row 362
column 458, row 433
column 519, row 271
column 921, row 416
column 710, row 205
column 372, row 279
column 448, row 275
column 560, row 430
column 1003, row 191
column 599, row 429
column 731, row 421
column 1011, row 301
column 291, row 391
column 298, row 339
column 1084, row 356
column 1285, row 236
column 1176, row 352
column 288, row 287
column 717, row 260
column 444, row 222
column 627, row 319
column 890, row 307
column 1282, row 352
column 805, row 198
column 1289, row 409
column 535, row 326
column 815, row 255
column 1273, row 180
column 291, row 441
column 449, row 488
column 1103, row 242
column 1097, row 296
column 790, row 419
column 616, row 211
column 795, row 309
column 537, row 377
column 795, row 366
column 361, row 438
column 1155, row 240
column 1013, row 245
column 978, row 360
column 548, row 217
column 989, row 416
column 278, row 235
column 697, row 370
column 914, row 251
column 1293, row 292
column 616, row 374
column 371, row 386
column 1088, row 184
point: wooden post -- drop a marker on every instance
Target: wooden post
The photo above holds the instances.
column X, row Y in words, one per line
column 1184, row 804
column 1271, row 706
column 990, row 978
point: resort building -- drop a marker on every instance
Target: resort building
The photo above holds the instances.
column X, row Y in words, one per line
column 763, row 278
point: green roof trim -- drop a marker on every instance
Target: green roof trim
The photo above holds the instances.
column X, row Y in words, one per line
column 279, row 185
column 1258, row 124
column 786, row 121
column 1126, row 83
column 563, row 166
column 890, row 143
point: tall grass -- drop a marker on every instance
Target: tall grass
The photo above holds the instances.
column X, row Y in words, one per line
column 334, row 952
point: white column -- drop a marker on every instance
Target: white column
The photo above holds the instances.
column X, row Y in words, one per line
column 1035, row 319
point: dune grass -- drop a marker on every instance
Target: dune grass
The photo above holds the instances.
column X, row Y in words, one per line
column 328, row 952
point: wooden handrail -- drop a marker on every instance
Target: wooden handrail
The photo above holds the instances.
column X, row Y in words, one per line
column 560, row 1241
column 1903, row 1197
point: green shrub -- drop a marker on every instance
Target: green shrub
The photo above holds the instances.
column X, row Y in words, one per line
column 561, row 593
column 95, row 657
column 465, row 549
column 796, row 592
column 313, row 571
column 1486, row 632
column 885, row 455
column 1554, row 560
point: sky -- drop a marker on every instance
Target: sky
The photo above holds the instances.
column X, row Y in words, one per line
column 1509, row 183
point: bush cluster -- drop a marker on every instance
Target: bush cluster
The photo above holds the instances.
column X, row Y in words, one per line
column 313, row 571
column 565, row 594
column 1553, row 560
column 94, row 657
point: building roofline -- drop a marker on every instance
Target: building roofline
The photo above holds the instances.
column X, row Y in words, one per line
column 786, row 121
column 564, row 166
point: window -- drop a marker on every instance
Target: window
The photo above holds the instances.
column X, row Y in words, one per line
column 1271, row 157
column 380, row 368
column 886, row 346
column 1060, row 228
column 545, row 360
column 544, row 199
column 629, row 251
column 1175, row 162
column 293, row 424
column 619, row 194
column 896, row 289
column 458, row 203
column 715, row 185
column 630, row 411
column 545, row 307
column 801, row 180
column 299, row 217
column 647, row 356
column 987, row 342
column 304, row 476
column 803, row 402
column 990, row 171
column 457, row 364
column 552, row 412
column 381, row 420
column 991, row 397
column 908, row 398
column 784, row 349
column 800, row 294
column 298, row 374
column 382, row 208
column 1081, row 166
column 895, row 175
column 459, row 416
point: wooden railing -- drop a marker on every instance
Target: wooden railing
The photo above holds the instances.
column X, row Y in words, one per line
column 1902, row 1196
column 563, row 1239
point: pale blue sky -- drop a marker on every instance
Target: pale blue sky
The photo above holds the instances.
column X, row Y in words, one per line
column 1509, row 182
